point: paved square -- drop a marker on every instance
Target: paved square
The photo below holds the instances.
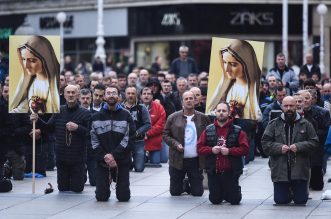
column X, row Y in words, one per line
column 150, row 198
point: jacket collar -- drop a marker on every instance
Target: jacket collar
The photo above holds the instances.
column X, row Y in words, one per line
column 226, row 124
column 297, row 117
column 118, row 107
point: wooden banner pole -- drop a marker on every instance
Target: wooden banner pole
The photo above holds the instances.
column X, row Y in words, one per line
column 33, row 156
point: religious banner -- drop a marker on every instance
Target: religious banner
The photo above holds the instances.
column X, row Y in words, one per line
column 234, row 76
column 34, row 72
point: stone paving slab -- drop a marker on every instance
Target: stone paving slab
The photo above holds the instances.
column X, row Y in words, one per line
column 150, row 198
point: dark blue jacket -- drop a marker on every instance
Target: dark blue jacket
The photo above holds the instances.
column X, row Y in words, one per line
column 175, row 67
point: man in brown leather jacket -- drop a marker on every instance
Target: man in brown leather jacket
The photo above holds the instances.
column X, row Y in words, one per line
column 182, row 130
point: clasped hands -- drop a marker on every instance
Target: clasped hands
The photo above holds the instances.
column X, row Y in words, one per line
column 71, row 126
column 220, row 149
column 286, row 148
column 110, row 160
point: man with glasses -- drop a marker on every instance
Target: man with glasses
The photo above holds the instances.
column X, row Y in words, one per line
column 183, row 65
column 112, row 136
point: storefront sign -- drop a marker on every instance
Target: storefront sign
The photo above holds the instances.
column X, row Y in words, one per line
column 214, row 19
column 252, row 18
column 171, row 19
column 80, row 23
column 50, row 22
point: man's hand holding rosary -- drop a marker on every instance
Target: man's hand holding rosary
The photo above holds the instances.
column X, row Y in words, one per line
column 110, row 161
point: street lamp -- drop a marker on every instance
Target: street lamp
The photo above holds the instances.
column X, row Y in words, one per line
column 100, row 42
column 61, row 18
column 285, row 29
column 322, row 10
column 305, row 29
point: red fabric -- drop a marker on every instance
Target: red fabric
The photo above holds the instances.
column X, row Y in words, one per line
column 222, row 161
column 154, row 135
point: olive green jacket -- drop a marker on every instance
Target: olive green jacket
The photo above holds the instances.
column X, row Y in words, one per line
column 306, row 141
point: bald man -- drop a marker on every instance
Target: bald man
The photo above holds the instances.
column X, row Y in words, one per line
column 289, row 140
column 183, row 129
column 326, row 92
column 198, row 105
column 71, row 128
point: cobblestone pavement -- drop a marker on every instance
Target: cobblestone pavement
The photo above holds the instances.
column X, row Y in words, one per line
column 150, row 198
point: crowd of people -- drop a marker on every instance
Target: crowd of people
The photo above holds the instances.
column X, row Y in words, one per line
column 111, row 123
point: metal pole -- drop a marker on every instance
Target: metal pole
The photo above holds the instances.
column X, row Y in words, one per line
column 61, row 41
column 305, row 29
column 285, row 29
column 100, row 42
column 322, row 44
column 61, row 18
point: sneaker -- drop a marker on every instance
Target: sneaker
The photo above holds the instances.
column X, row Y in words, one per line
column 28, row 175
column 186, row 186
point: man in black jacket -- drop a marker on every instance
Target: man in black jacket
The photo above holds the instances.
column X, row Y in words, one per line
column 112, row 136
column 170, row 103
column 320, row 119
column 5, row 184
column 71, row 128
column 309, row 68
column 274, row 109
column 14, row 132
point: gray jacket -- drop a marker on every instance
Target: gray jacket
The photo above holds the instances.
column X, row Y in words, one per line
column 289, row 77
column 304, row 137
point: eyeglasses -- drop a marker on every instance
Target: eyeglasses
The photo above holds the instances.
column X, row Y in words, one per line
column 111, row 93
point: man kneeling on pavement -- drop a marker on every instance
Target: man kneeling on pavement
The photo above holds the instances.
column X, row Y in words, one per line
column 223, row 144
column 290, row 140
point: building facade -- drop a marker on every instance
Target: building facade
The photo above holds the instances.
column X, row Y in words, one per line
column 150, row 28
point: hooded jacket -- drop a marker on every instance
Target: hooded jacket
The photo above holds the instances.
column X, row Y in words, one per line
column 235, row 140
column 306, row 141
column 153, row 142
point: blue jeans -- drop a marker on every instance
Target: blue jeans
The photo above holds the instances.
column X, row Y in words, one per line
column 138, row 155
column 164, row 153
column 155, row 157
column 282, row 194
column 325, row 162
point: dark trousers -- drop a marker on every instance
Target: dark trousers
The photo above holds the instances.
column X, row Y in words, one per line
column 224, row 186
column 70, row 176
column 91, row 165
column 41, row 158
column 17, row 164
column 121, row 175
column 316, row 178
column 285, row 192
column 191, row 168
column 50, row 160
